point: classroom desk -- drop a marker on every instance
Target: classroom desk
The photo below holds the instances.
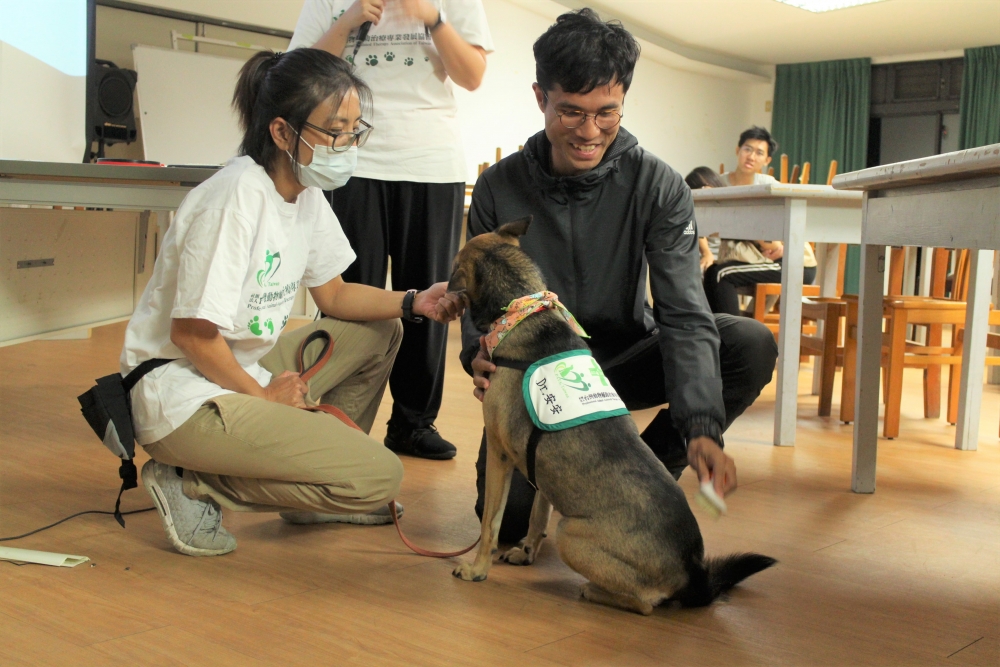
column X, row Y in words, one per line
column 795, row 214
column 89, row 186
column 946, row 201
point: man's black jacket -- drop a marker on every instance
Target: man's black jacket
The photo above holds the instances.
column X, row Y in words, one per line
column 592, row 236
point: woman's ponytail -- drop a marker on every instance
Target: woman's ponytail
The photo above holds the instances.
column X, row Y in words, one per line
column 249, row 83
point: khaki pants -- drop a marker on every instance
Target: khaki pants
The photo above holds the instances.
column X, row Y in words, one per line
column 252, row 455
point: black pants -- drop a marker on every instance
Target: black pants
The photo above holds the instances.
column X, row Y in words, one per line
column 723, row 279
column 747, row 353
column 418, row 225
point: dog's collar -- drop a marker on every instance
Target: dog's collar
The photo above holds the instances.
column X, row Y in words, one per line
column 520, row 309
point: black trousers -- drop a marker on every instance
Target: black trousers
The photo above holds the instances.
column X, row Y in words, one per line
column 747, row 353
column 418, row 225
column 723, row 279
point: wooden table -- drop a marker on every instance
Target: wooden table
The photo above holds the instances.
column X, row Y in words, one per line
column 66, row 270
column 795, row 214
column 947, row 201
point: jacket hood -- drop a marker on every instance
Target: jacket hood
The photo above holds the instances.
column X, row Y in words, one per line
column 538, row 152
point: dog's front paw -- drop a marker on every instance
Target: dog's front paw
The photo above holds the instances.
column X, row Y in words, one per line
column 522, row 554
column 466, row 572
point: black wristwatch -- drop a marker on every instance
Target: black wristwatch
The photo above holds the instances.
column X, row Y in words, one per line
column 408, row 307
column 437, row 25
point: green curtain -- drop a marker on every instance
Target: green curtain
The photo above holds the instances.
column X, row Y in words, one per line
column 821, row 113
column 980, row 106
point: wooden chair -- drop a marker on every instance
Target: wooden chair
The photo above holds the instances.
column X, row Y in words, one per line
column 898, row 353
column 826, row 345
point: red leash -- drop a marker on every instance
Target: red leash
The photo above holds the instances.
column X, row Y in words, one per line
column 306, row 374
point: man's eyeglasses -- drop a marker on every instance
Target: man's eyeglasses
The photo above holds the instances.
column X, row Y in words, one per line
column 747, row 150
column 605, row 120
column 342, row 141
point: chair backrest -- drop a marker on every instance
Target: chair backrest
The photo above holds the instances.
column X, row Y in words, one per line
column 784, row 169
column 805, row 173
column 795, row 175
column 832, row 172
column 960, row 286
column 722, row 167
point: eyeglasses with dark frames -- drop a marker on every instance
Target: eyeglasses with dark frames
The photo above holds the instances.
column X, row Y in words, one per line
column 342, row 141
column 605, row 120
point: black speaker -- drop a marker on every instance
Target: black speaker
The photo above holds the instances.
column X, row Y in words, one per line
column 111, row 119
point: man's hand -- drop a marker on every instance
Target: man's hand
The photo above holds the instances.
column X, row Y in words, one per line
column 711, row 463
column 706, row 261
column 362, row 11
column 420, row 9
column 287, row 389
column 438, row 304
column 481, row 369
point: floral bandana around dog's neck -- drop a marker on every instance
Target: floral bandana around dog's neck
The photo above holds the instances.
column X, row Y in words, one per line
column 519, row 309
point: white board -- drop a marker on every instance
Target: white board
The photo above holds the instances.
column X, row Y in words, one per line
column 185, row 105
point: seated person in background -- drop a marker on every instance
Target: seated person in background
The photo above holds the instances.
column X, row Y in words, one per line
column 746, row 263
column 603, row 208
column 222, row 422
column 708, row 246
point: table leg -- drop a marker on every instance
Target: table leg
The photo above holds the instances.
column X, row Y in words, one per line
column 869, row 362
column 974, row 353
column 790, row 323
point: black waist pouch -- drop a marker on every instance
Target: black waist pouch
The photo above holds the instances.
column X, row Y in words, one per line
column 107, row 407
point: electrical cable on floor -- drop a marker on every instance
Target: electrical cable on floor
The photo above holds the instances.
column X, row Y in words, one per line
column 73, row 516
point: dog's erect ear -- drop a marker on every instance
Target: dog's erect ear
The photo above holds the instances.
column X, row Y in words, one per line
column 458, row 281
column 511, row 231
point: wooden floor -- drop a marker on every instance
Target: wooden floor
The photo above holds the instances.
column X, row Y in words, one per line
column 907, row 576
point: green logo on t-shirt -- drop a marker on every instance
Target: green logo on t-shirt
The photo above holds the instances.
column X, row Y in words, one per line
column 271, row 264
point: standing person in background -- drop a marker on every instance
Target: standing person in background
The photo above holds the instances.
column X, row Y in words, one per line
column 406, row 198
column 747, row 263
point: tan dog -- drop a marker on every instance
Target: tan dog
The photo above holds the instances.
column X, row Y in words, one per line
column 626, row 524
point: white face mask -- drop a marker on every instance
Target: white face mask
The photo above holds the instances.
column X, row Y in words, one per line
column 328, row 170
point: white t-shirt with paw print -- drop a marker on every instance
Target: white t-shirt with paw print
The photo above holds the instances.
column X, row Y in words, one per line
column 417, row 136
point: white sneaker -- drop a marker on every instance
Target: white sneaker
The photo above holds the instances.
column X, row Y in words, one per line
column 192, row 526
column 377, row 517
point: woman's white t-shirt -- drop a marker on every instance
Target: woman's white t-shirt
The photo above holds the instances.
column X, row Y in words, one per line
column 417, row 135
column 234, row 255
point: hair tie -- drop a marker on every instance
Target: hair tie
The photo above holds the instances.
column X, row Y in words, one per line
column 276, row 57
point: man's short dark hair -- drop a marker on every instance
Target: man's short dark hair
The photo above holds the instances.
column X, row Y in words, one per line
column 759, row 134
column 580, row 52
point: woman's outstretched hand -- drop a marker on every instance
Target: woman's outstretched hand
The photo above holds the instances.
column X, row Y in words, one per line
column 438, row 304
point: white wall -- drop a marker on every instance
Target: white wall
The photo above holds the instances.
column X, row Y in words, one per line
column 687, row 118
column 687, row 113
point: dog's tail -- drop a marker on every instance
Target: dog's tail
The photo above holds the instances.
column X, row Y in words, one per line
column 710, row 578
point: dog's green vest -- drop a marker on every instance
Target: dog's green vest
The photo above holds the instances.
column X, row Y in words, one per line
column 569, row 389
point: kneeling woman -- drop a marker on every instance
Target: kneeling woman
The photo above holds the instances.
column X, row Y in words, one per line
column 222, row 423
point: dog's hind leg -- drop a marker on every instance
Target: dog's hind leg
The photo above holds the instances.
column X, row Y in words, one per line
column 499, row 469
column 612, row 581
column 595, row 593
column 526, row 550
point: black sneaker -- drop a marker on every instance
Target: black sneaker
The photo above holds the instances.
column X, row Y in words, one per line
column 424, row 443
